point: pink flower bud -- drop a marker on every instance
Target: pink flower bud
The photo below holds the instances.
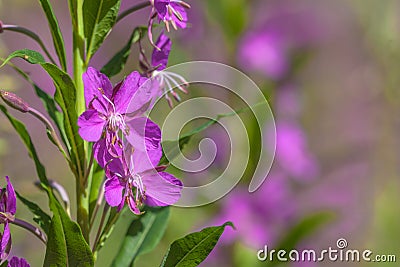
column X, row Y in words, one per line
column 14, row 101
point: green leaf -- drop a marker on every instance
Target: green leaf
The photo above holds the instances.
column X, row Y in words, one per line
column 56, row 246
column 118, row 61
column 40, row 217
column 66, row 245
column 194, row 248
column 31, row 56
column 65, row 96
column 98, row 17
column 58, row 40
column 143, row 234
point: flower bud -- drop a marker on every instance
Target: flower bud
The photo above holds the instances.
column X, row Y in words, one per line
column 14, row 101
column 1, row 27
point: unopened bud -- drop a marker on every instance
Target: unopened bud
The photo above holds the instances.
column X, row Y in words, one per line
column 1, row 27
column 14, row 101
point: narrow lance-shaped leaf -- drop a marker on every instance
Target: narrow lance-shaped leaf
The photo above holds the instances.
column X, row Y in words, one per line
column 40, row 217
column 142, row 236
column 98, row 18
column 118, row 61
column 58, row 40
column 31, row 56
column 66, row 245
column 65, row 97
column 194, row 248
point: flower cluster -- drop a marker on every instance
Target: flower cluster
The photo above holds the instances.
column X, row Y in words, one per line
column 127, row 144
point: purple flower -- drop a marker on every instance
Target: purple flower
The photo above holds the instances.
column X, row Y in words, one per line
column 134, row 179
column 8, row 207
column 18, row 262
column 119, row 109
column 170, row 12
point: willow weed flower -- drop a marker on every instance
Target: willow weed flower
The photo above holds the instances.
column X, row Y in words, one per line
column 111, row 111
column 170, row 12
column 134, row 179
column 8, row 207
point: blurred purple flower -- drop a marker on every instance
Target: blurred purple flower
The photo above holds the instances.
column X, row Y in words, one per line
column 119, row 109
column 18, row 262
column 292, row 153
column 268, row 47
column 152, row 186
column 8, row 207
column 264, row 53
column 258, row 217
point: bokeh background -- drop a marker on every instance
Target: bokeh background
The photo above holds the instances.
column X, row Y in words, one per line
column 330, row 72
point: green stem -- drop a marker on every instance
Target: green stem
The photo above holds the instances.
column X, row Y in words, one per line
column 79, row 68
column 132, row 9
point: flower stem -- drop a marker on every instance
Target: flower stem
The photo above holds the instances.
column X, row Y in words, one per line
column 79, row 68
column 34, row 230
column 102, row 220
column 132, row 9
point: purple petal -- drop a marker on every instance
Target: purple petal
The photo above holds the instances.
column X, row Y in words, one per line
column 91, row 125
column 162, row 189
column 113, row 191
column 160, row 58
column 18, row 262
column 95, row 84
column 126, row 90
column 146, row 160
column 132, row 205
column 144, row 134
column 107, row 154
column 181, row 10
column 5, row 244
column 11, row 198
column 142, row 98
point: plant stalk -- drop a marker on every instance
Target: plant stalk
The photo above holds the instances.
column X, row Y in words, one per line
column 79, row 68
